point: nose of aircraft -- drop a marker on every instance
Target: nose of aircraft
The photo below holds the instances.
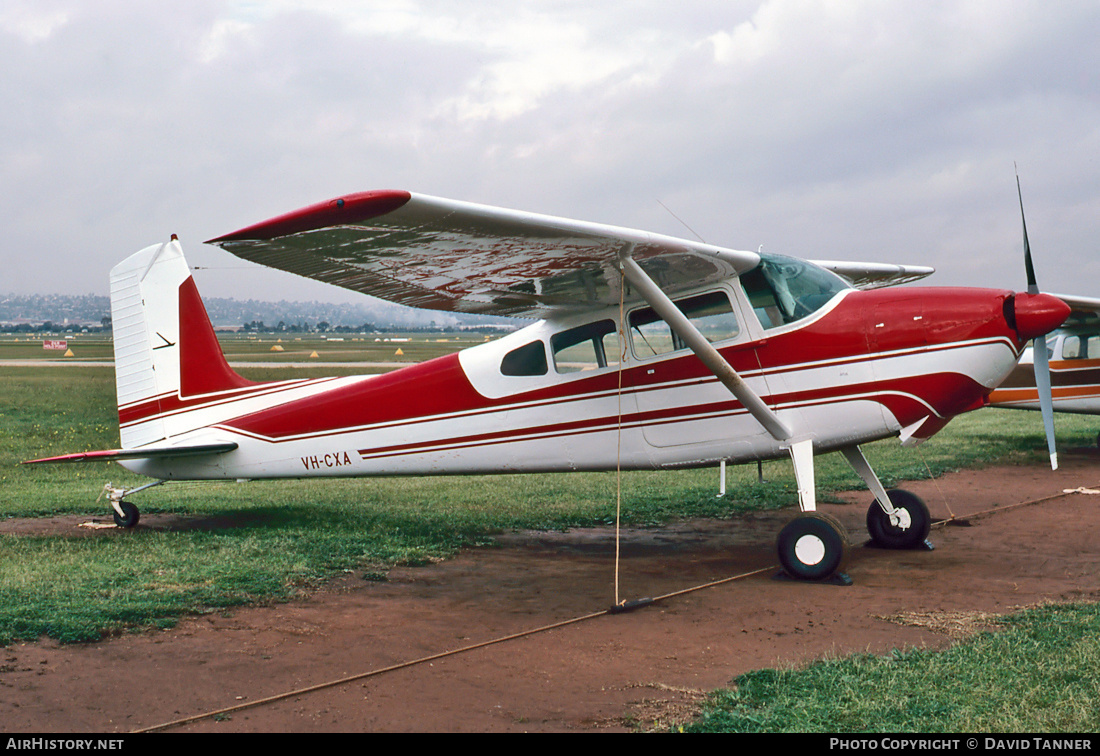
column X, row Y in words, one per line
column 1038, row 314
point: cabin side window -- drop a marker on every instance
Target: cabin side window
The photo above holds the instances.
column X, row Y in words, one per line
column 1071, row 348
column 588, row 347
column 710, row 313
column 783, row 290
column 529, row 359
column 1091, row 347
column 1075, row 347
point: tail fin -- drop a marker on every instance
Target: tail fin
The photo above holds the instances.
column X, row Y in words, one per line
column 165, row 347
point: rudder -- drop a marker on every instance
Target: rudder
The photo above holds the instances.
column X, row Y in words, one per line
column 164, row 343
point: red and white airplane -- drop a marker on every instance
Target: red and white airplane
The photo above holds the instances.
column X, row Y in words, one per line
column 647, row 352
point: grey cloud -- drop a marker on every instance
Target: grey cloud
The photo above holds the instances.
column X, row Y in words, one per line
column 876, row 131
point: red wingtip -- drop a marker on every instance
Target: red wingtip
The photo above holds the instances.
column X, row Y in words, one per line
column 76, row 457
column 351, row 208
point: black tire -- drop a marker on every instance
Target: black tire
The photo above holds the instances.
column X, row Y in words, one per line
column 889, row 536
column 813, row 546
column 129, row 517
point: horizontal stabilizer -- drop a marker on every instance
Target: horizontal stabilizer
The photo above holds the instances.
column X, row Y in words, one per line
column 154, row 453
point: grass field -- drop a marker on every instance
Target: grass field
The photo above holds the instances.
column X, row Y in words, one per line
column 285, row 537
column 1041, row 673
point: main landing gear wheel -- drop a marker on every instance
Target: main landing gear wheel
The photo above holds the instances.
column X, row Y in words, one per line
column 813, row 546
column 129, row 517
column 911, row 527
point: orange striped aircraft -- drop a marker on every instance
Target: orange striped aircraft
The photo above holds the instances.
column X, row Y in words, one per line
column 1073, row 353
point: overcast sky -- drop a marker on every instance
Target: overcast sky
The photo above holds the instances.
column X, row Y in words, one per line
column 851, row 130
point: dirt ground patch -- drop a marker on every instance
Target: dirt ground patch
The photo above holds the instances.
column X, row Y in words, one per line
column 592, row 670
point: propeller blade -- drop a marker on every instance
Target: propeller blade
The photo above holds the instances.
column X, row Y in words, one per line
column 1046, row 402
column 1032, row 285
column 1040, row 362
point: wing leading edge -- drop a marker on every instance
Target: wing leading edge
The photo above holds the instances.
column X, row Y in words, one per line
column 876, row 275
column 1084, row 311
column 442, row 254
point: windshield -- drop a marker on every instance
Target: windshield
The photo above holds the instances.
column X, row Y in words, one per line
column 785, row 289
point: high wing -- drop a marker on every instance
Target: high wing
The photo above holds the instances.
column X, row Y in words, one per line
column 1084, row 311
column 442, row 254
column 875, row 275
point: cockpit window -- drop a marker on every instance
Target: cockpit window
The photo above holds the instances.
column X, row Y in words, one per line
column 529, row 359
column 710, row 313
column 785, row 289
column 587, row 347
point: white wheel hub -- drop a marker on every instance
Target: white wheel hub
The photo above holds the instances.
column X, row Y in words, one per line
column 900, row 518
column 810, row 550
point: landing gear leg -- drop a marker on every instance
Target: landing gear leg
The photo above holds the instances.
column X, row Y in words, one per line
column 896, row 519
column 812, row 546
column 125, row 513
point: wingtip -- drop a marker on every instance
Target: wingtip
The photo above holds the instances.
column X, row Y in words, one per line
column 74, row 457
column 344, row 210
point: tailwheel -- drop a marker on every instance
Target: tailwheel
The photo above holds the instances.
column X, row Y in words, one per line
column 813, row 546
column 126, row 514
column 907, row 528
column 129, row 516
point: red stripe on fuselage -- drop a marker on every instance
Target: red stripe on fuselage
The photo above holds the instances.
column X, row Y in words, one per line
column 353, row 408
column 898, row 396
column 437, row 388
column 430, row 388
column 169, row 405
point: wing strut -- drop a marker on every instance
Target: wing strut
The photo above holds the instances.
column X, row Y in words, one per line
column 801, row 449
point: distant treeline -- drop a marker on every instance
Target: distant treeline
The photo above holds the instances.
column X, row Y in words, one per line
column 258, row 326
column 92, row 313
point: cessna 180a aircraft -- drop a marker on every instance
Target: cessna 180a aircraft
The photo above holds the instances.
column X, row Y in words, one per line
column 647, row 352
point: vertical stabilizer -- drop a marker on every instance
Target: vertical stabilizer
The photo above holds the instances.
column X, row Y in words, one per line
column 165, row 347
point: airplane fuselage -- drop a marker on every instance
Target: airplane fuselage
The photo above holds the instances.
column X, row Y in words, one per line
column 865, row 366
